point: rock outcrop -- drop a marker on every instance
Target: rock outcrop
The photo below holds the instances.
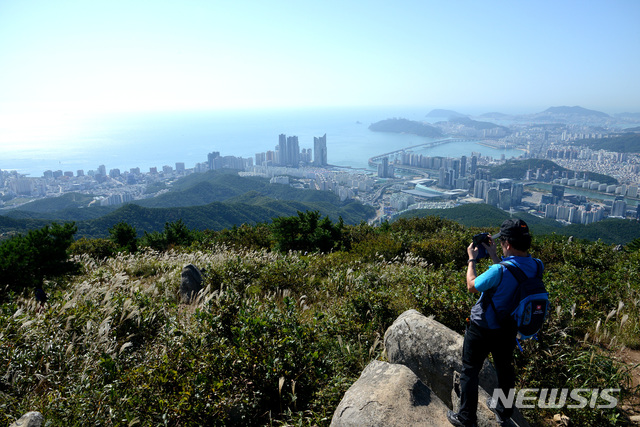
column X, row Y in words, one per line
column 421, row 382
column 30, row 419
column 389, row 395
column 190, row 283
column 432, row 351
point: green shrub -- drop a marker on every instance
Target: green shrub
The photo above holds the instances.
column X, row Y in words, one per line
column 95, row 248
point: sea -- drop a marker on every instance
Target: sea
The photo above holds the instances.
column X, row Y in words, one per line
column 154, row 139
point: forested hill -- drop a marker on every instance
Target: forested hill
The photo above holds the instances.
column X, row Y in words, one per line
column 406, row 126
column 478, row 125
column 627, row 143
column 203, row 201
column 517, row 169
column 610, row 231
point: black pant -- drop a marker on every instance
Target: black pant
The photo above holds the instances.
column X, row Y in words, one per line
column 478, row 343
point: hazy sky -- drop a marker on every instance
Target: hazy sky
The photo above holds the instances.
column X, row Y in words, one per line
column 476, row 56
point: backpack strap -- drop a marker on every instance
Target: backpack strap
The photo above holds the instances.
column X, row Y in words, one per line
column 518, row 273
column 520, row 277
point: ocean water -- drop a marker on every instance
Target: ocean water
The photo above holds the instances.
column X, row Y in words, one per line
column 145, row 140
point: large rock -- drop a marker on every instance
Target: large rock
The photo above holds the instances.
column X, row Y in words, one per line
column 432, row 351
column 389, row 395
column 190, row 282
column 30, row 419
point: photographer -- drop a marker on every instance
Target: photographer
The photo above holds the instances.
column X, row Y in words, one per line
column 485, row 333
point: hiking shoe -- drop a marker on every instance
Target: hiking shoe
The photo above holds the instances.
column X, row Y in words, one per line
column 454, row 419
column 493, row 406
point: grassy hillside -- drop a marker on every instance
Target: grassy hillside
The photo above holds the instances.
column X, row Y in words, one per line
column 277, row 338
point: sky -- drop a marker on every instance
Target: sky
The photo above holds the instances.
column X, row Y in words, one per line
column 516, row 56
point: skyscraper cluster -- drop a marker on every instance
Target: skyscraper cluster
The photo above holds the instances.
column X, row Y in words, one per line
column 288, row 153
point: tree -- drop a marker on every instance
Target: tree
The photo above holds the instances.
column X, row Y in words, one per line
column 175, row 234
column 307, row 232
column 25, row 261
column 125, row 237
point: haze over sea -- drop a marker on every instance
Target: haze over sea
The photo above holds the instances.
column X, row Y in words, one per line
column 145, row 140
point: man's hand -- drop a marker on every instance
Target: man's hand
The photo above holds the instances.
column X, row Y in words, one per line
column 472, row 251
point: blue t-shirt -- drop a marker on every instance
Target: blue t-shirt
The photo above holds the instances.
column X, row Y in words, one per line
column 501, row 283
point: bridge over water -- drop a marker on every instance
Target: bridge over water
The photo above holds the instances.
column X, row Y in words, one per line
column 373, row 161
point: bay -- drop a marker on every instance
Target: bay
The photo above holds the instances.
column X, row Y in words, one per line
column 145, row 140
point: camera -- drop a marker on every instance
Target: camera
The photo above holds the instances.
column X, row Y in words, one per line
column 478, row 241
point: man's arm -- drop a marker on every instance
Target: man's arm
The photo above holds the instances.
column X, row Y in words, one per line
column 471, row 269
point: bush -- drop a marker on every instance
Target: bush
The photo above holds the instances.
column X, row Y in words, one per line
column 95, row 248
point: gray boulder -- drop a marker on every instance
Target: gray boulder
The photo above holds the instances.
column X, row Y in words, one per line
column 190, row 283
column 30, row 419
column 389, row 395
column 432, row 351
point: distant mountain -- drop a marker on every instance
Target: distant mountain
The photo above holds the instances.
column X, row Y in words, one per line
column 406, row 126
column 573, row 111
column 478, row 125
column 439, row 113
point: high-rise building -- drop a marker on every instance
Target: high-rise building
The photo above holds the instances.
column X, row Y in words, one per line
column 517, row 191
column 293, row 151
column 320, row 150
column 211, row 159
column 493, row 197
column 505, row 199
column 384, row 169
column 282, row 150
column 619, row 208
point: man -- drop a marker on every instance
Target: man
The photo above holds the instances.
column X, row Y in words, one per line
column 487, row 333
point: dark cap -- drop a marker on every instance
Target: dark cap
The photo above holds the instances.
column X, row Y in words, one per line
column 513, row 228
